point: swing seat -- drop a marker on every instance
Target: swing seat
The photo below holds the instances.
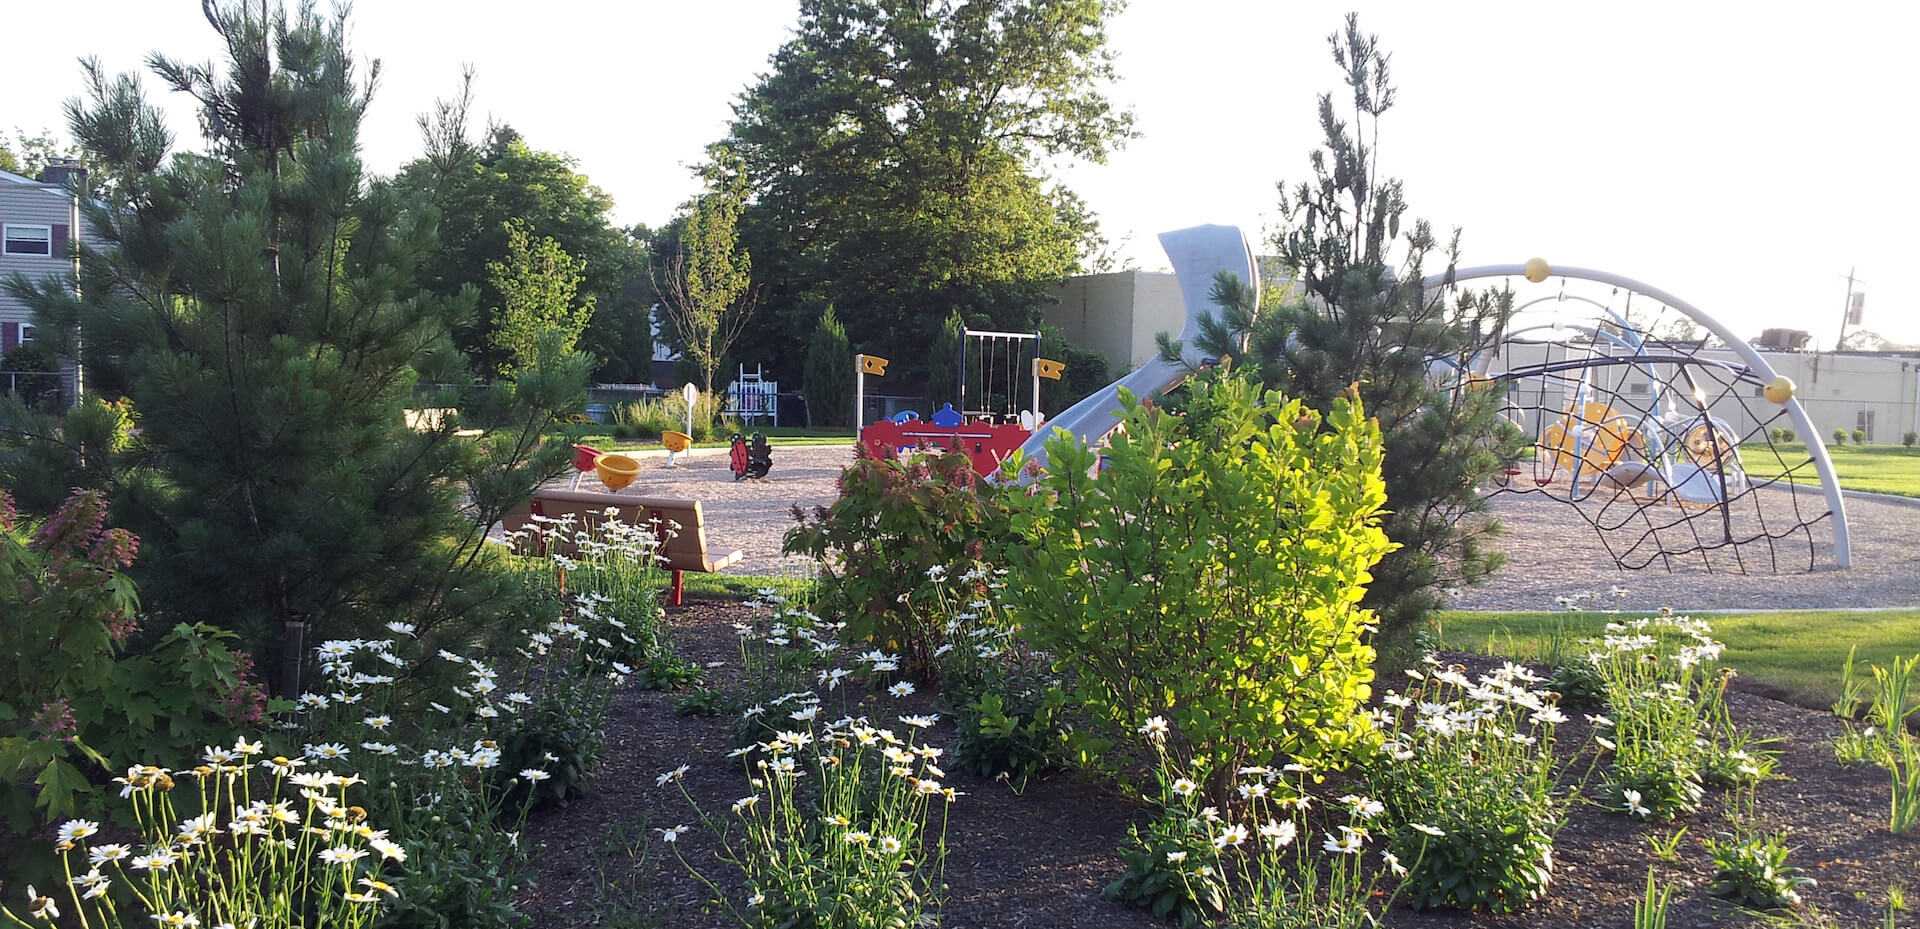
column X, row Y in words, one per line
column 905, row 416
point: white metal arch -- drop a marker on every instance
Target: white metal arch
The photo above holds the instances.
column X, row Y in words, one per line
column 1816, row 448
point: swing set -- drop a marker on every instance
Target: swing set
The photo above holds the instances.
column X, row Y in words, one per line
column 988, row 424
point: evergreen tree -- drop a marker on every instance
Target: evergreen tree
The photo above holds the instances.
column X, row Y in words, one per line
column 943, row 363
column 1364, row 319
column 829, row 374
column 259, row 301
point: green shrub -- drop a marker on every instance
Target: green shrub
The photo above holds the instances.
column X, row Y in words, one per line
column 83, row 692
column 1910, row 438
column 1212, row 570
column 1859, row 436
column 1839, row 436
column 895, row 529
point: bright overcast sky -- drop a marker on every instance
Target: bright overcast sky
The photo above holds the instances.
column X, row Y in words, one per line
column 1742, row 158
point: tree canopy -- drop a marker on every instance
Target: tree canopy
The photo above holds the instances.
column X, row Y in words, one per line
column 895, row 155
column 479, row 190
column 256, row 302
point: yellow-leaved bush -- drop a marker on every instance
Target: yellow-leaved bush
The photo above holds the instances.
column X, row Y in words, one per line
column 1211, row 569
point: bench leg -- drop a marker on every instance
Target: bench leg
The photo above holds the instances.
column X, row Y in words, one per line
column 678, row 592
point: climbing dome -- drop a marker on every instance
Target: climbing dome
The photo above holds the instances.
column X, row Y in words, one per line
column 1669, row 435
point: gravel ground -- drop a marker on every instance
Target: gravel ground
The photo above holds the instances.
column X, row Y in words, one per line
column 751, row 516
column 1552, row 552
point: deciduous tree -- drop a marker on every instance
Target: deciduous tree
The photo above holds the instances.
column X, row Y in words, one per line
column 896, row 155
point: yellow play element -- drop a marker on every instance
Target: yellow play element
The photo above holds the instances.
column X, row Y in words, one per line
column 1048, row 368
column 677, row 443
column 1537, row 270
column 1708, row 445
column 873, row 364
column 1598, row 440
column 1779, row 390
column 616, row 471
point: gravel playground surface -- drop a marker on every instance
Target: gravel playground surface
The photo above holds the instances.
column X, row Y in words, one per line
column 751, row 516
column 1551, row 551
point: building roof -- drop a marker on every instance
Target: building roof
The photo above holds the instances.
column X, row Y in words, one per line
column 52, row 190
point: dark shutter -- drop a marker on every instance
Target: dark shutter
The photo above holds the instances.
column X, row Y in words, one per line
column 59, row 241
column 9, row 336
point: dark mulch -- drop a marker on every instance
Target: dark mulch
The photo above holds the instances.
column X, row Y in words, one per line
column 1040, row 858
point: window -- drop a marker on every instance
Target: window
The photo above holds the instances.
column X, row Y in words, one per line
column 26, row 333
column 1636, row 389
column 1863, row 422
column 27, row 240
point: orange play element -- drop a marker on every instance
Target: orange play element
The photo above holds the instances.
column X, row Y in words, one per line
column 676, row 442
column 873, row 364
column 1048, row 368
column 1598, row 439
column 616, row 471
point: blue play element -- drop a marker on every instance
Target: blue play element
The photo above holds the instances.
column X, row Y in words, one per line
column 946, row 416
column 904, row 417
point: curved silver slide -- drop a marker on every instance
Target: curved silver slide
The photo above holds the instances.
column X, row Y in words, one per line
column 1198, row 253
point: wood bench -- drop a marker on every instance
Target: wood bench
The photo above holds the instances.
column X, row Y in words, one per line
column 685, row 549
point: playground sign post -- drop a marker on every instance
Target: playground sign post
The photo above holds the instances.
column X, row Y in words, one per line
column 864, row 365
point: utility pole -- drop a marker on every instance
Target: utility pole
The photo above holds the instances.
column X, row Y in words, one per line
column 1846, row 311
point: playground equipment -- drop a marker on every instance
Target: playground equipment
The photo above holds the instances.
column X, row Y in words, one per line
column 677, row 444
column 616, row 470
column 750, row 462
column 987, row 434
column 1198, row 254
column 1663, row 446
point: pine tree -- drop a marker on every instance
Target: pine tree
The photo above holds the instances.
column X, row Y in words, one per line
column 259, row 303
column 1364, row 319
column 829, row 372
column 943, row 363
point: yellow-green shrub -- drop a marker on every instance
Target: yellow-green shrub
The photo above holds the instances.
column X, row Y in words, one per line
column 1212, row 571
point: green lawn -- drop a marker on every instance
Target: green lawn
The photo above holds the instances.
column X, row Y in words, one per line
column 746, row 587
column 1798, row 653
column 1885, row 469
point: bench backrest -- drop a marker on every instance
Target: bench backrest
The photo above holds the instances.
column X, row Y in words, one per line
column 686, row 550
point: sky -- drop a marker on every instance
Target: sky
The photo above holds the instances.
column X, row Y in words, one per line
column 1743, row 158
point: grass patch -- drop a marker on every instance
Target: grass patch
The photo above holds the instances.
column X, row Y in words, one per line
column 1881, row 469
column 1796, row 654
column 601, row 437
column 746, row 587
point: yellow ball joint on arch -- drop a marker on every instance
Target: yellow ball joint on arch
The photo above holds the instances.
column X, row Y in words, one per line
column 1537, row 270
column 1779, row 390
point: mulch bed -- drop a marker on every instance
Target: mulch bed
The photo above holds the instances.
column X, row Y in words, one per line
column 1039, row 859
